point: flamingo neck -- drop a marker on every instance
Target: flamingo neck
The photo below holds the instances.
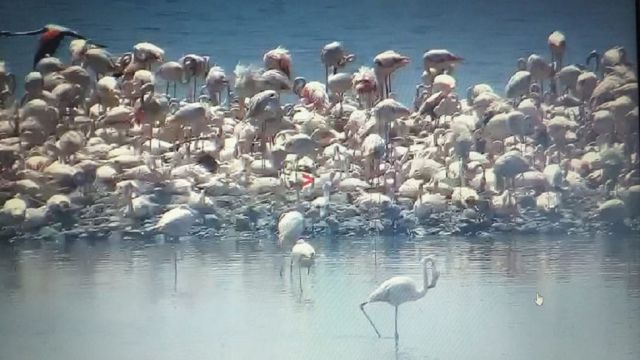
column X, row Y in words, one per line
column 425, row 284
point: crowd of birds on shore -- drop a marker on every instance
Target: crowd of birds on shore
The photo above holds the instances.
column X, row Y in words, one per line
column 106, row 143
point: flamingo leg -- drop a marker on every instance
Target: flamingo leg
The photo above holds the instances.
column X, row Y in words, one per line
column 300, row 276
column 167, row 88
column 175, row 271
column 282, row 264
column 326, row 76
column 195, row 84
column 396, row 334
column 388, row 85
column 174, row 89
column 368, row 318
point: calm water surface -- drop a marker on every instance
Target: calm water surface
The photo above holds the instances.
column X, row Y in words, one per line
column 490, row 35
column 122, row 300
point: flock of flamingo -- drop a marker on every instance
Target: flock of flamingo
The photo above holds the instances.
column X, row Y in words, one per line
column 117, row 126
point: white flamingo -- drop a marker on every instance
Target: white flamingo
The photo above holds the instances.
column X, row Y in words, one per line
column 400, row 289
column 385, row 64
column 304, row 255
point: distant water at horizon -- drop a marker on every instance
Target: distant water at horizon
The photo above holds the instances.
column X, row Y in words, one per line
column 490, row 35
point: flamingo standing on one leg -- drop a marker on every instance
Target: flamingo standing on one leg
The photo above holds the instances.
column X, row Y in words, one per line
column 385, row 64
column 400, row 289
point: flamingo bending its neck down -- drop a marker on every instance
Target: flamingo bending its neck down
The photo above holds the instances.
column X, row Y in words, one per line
column 440, row 60
column 278, row 59
column 400, row 289
column 304, row 255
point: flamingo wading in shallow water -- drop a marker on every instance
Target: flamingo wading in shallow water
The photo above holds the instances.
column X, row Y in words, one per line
column 401, row 289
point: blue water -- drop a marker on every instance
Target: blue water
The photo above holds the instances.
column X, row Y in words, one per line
column 490, row 35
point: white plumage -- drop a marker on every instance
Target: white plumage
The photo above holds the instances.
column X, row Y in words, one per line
column 176, row 222
column 400, row 289
column 290, row 227
column 303, row 254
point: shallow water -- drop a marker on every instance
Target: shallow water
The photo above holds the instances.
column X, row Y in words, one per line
column 490, row 35
column 122, row 299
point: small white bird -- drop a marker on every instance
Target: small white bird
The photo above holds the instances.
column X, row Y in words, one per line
column 539, row 299
column 304, row 255
column 401, row 289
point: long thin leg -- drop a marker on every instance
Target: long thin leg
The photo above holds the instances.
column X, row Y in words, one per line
column 174, row 88
column 300, row 276
column 167, row 88
column 397, row 336
column 175, row 271
column 326, row 76
column 263, row 143
column 195, row 84
column 370, row 321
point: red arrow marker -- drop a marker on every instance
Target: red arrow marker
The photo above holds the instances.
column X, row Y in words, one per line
column 307, row 180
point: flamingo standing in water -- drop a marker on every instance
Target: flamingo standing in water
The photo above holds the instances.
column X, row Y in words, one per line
column 290, row 228
column 304, row 255
column 385, row 64
column 51, row 36
column 401, row 289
